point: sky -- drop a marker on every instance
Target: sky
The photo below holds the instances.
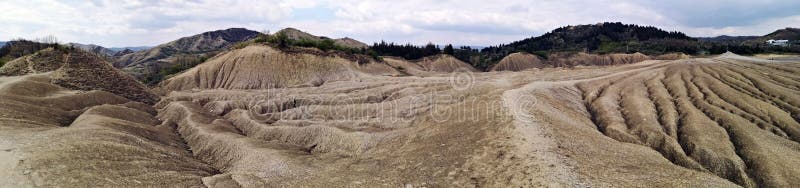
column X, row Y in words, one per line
column 120, row 23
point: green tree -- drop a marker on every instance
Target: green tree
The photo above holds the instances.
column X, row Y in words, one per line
column 448, row 49
column 280, row 39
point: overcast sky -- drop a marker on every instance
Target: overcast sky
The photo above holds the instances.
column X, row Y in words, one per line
column 116, row 23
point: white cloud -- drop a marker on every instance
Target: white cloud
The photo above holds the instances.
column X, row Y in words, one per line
column 475, row 22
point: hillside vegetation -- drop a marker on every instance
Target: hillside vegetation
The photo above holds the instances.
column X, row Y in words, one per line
column 148, row 65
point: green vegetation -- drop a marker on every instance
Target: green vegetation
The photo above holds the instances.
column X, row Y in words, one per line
column 182, row 63
column 282, row 41
column 407, row 51
column 448, row 49
column 22, row 47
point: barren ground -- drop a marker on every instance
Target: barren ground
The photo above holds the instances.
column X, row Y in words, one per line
column 726, row 121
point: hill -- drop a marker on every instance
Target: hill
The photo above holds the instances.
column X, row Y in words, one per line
column 519, row 61
column 110, row 54
column 792, row 34
column 79, row 70
column 724, row 39
column 132, row 48
column 148, row 63
column 19, row 48
column 296, row 34
column 98, row 50
column 602, row 37
column 260, row 66
column 69, row 105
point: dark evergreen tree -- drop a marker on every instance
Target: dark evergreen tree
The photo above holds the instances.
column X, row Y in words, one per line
column 448, row 49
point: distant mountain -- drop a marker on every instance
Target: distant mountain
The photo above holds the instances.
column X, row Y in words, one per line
column 754, row 44
column 148, row 63
column 132, row 48
column 96, row 49
column 123, row 52
column 296, row 34
column 2, row 43
column 727, row 39
column 783, row 34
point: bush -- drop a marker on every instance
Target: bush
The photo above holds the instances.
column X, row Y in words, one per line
column 542, row 54
column 279, row 39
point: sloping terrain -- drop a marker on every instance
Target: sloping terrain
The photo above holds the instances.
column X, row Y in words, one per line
column 54, row 136
column 519, row 61
column 439, row 65
column 97, row 50
column 737, row 120
column 606, row 37
column 792, row 34
column 79, row 70
column 262, row 67
column 522, row 61
column 444, row 63
column 259, row 117
column 296, row 34
column 584, row 59
column 142, row 64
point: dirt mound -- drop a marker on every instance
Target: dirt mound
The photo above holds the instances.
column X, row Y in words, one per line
column 76, row 69
column 405, row 67
column 518, row 62
column 260, row 67
column 571, row 60
column 444, row 63
column 733, row 56
column 52, row 136
column 672, row 56
column 428, row 66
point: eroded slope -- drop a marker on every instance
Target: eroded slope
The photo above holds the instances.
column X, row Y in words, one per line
column 721, row 122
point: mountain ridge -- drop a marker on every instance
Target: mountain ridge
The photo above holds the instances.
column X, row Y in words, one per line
column 147, row 63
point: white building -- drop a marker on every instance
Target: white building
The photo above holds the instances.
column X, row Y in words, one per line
column 778, row 42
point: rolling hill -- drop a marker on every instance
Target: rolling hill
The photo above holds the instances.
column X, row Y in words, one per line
column 99, row 50
column 602, row 37
column 296, row 34
column 147, row 63
column 792, row 34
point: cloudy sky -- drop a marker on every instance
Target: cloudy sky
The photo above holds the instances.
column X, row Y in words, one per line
column 116, row 23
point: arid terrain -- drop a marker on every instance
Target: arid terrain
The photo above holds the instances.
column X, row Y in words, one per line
column 262, row 117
